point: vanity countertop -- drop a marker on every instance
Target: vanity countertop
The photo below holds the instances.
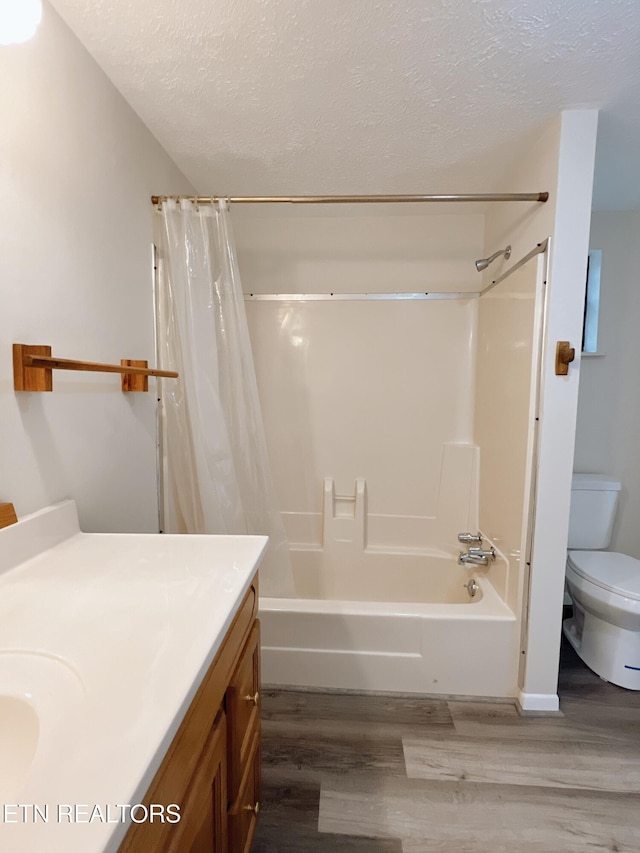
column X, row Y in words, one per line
column 104, row 640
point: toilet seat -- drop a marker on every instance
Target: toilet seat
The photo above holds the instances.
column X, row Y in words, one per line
column 617, row 573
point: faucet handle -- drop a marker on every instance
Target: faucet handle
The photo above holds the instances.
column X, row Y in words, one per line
column 482, row 552
column 467, row 538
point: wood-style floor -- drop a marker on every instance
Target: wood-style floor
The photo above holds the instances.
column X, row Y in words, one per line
column 366, row 774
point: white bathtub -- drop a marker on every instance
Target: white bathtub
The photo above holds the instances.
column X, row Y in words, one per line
column 393, row 622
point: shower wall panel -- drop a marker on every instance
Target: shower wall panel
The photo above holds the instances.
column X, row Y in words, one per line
column 509, row 318
column 377, row 391
column 338, row 252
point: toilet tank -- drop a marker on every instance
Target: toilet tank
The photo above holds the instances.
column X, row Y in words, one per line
column 594, row 499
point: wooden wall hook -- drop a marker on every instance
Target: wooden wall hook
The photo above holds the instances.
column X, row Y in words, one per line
column 565, row 354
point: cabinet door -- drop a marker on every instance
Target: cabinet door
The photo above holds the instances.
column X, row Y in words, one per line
column 243, row 710
column 243, row 813
column 203, row 825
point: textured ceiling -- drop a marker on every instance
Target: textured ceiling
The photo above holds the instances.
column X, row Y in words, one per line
column 356, row 96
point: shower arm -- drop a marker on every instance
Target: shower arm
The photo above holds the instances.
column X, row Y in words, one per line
column 483, row 263
column 495, row 255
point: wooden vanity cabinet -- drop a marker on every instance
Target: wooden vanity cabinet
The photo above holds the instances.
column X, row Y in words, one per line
column 203, row 826
column 212, row 768
column 243, row 771
column 243, row 711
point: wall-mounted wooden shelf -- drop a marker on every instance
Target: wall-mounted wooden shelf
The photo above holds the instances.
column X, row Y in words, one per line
column 33, row 366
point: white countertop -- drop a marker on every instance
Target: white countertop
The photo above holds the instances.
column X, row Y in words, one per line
column 107, row 638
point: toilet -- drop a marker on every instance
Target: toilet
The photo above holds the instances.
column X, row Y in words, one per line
column 604, row 586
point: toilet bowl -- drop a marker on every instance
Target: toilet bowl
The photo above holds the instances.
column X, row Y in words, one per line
column 604, row 585
column 605, row 627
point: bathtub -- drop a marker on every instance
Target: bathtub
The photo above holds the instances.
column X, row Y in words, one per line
column 391, row 622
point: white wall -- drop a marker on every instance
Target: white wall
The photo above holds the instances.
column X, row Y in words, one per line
column 77, row 168
column 561, row 162
column 609, row 398
column 380, row 390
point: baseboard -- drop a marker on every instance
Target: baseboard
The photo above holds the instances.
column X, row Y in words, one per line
column 532, row 703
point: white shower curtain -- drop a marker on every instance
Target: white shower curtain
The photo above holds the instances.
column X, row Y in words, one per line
column 218, row 478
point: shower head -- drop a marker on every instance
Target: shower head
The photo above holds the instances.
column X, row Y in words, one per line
column 483, row 263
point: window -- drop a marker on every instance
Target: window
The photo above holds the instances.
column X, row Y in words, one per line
column 592, row 302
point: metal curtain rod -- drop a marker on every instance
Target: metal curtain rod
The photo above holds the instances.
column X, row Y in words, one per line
column 351, row 199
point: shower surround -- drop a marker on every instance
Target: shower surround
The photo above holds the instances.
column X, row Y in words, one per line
column 384, row 447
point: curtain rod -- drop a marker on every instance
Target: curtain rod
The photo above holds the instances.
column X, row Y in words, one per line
column 351, row 199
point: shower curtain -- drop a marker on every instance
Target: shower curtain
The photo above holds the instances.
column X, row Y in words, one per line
column 218, row 478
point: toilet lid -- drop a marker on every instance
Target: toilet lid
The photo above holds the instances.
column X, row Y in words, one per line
column 615, row 572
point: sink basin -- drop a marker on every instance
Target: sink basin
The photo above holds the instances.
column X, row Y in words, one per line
column 19, row 730
column 38, row 694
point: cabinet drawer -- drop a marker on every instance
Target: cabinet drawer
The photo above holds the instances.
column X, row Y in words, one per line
column 243, row 814
column 243, row 710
